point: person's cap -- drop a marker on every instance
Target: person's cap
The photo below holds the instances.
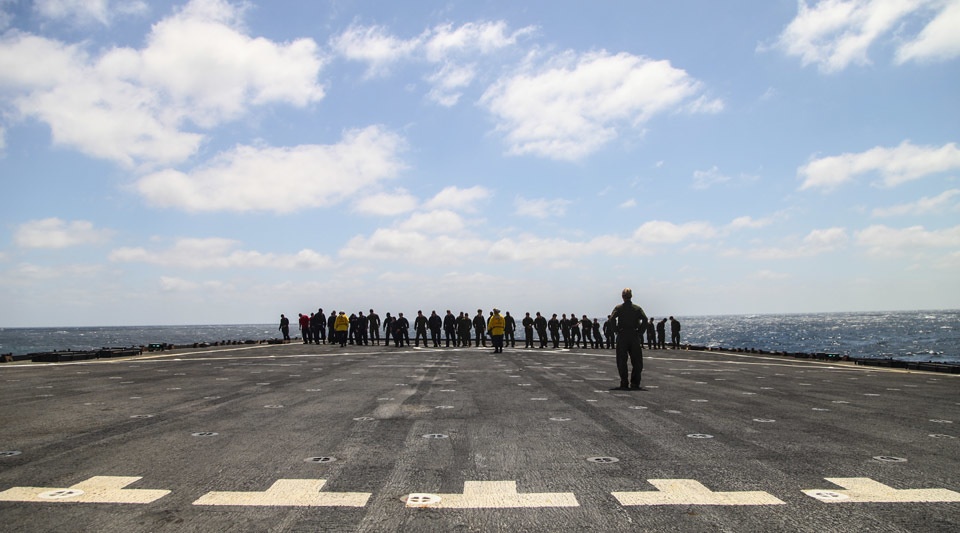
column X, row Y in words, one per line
column 495, row 310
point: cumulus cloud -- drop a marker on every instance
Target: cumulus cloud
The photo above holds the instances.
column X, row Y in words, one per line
column 576, row 103
column 373, row 45
column 175, row 284
column 816, row 242
column 540, row 207
column 458, row 199
column 896, row 165
column 663, row 232
column 57, row 233
column 386, row 203
column 281, row 180
column 924, row 206
column 454, row 48
column 87, row 11
column 136, row 106
column 219, row 253
column 834, row 34
column 438, row 221
column 883, row 240
column 938, row 41
column 395, row 244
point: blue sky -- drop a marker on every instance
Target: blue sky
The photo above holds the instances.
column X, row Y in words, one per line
column 223, row 162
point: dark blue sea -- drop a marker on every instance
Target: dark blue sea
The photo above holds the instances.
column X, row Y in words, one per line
column 903, row 335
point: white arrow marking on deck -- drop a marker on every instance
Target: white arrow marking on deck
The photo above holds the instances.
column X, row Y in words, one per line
column 864, row 489
column 288, row 492
column 691, row 492
column 98, row 489
column 493, row 495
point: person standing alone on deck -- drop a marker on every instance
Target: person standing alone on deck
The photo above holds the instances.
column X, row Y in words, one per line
column 630, row 321
column 285, row 327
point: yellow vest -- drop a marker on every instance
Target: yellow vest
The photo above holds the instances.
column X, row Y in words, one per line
column 496, row 324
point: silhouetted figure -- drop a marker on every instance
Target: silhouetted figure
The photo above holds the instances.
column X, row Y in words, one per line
column 651, row 334
column 509, row 331
column 363, row 324
column 420, row 327
column 388, row 329
column 662, row 334
column 319, row 326
column 565, row 330
column 610, row 332
column 597, row 339
column 435, row 323
column 630, row 320
column 479, row 328
column 527, row 324
column 401, row 334
column 450, row 329
column 463, row 327
column 541, row 324
column 284, row 327
column 373, row 320
column 675, row 333
column 554, row 326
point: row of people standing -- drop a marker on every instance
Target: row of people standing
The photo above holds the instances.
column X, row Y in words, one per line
column 363, row 329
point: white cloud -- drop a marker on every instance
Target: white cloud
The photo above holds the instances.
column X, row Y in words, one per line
column 833, row 34
column 703, row 179
column 748, row 222
column 924, row 206
column 386, row 203
column 939, row 40
column 886, row 241
column 456, row 49
column 389, row 244
column 897, row 165
column 373, row 45
column 575, row 104
column 816, row 242
column 557, row 252
column 134, row 106
column 447, row 83
column 219, row 253
column 57, row 233
column 85, row 11
column 438, row 221
column 628, row 204
column 281, row 180
column 174, row 284
column 458, row 199
column 482, row 37
column 663, row 232
column 540, row 207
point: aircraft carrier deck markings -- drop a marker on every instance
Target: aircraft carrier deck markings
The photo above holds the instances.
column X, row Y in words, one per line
column 491, row 495
column 691, row 492
column 98, row 489
column 289, row 493
column 866, row 490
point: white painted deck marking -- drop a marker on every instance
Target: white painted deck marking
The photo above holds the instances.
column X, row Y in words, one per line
column 691, row 492
column 492, row 495
column 98, row 489
column 866, row 490
column 288, row 493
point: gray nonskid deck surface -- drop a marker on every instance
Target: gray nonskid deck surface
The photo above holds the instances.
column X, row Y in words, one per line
column 318, row 438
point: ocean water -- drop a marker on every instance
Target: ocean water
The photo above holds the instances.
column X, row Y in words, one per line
column 903, row 335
